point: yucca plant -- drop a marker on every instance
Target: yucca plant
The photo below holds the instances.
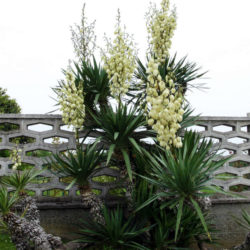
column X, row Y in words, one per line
column 191, row 229
column 142, row 190
column 162, row 231
column 19, row 180
column 25, row 234
column 6, row 205
column 118, row 232
column 80, row 166
column 7, row 202
column 183, row 176
column 5, row 238
column 121, row 131
column 162, row 235
column 244, row 222
column 188, row 119
column 95, row 82
column 185, row 73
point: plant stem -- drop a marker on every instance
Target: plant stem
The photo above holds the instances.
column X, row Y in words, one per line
column 77, row 137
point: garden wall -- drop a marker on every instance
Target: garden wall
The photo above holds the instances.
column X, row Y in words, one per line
column 35, row 133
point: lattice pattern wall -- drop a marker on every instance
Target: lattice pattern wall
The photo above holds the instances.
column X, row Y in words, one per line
column 231, row 135
column 35, row 133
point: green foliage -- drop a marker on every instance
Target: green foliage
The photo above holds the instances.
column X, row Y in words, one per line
column 5, row 242
column 104, row 179
column 5, row 126
column 244, row 221
column 188, row 119
column 7, row 202
column 183, row 176
column 183, row 72
column 8, row 105
column 121, row 130
column 38, row 153
column 191, row 228
column 95, row 82
column 79, row 166
column 164, row 219
column 56, row 192
column 5, row 153
column 142, row 192
column 22, row 140
column 161, row 225
column 117, row 233
column 19, row 180
column 163, row 233
column 117, row 191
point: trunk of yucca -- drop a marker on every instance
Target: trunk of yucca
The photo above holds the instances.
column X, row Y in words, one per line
column 129, row 183
column 94, row 202
column 25, row 234
column 28, row 208
column 129, row 190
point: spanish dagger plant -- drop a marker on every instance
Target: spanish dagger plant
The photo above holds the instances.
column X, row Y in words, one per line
column 118, row 232
column 19, row 180
column 121, row 131
column 184, row 72
column 183, row 176
column 94, row 81
column 244, row 222
column 6, row 205
column 80, row 166
column 24, row 233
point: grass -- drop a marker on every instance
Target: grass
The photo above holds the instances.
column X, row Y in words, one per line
column 5, row 242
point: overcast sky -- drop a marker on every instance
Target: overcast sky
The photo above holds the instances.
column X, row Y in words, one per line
column 35, row 45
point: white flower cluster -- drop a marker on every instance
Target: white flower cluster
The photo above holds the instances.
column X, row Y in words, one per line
column 119, row 61
column 165, row 102
column 163, row 98
column 15, row 157
column 161, row 26
column 84, row 39
column 72, row 103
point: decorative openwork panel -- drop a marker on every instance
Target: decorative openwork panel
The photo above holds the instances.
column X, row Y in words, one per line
column 230, row 136
column 38, row 134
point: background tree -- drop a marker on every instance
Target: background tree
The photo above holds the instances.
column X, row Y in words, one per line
column 8, row 105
